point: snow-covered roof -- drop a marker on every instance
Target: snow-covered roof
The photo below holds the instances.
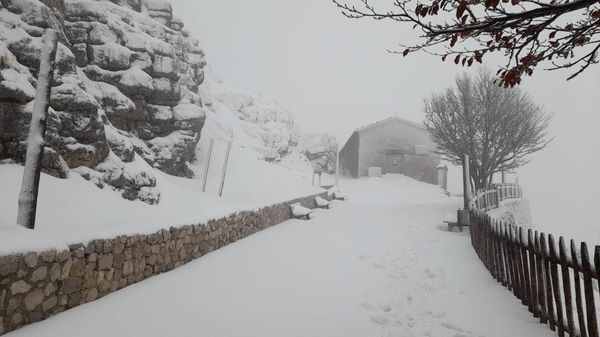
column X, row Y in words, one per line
column 400, row 119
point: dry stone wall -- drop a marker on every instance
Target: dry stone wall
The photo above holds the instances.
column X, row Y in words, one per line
column 37, row 285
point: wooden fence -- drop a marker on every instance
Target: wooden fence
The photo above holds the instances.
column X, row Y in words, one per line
column 485, row 200
column 558, row 283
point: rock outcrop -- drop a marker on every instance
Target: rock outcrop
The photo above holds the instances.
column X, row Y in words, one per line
column 270, row 127
column 320, row 149
column 125, row 90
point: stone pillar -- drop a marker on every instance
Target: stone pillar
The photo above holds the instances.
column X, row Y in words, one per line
column 466, row 181
column 442, row 176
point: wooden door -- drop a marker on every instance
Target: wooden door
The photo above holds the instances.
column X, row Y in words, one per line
column 394, row 163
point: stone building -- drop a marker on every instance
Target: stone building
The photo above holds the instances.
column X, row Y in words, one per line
column 394, row 144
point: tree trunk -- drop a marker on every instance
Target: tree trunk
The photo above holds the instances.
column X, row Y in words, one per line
column 37, row 129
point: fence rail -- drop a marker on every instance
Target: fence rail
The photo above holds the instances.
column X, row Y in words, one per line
column 558, row 283
column 489, row 199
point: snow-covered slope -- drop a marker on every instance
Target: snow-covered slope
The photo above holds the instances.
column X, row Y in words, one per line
column 265, row 126
column 74, row 210
column 129, row 104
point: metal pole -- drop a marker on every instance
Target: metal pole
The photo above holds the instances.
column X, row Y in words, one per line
column 28, row 195
column 210, row 148
column 224, row 169
column 466, row 181
column 337, row 163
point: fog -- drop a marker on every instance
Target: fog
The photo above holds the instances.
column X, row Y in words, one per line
column 335, row 75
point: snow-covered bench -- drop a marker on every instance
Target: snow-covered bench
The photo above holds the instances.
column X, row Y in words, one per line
column 452, row 224
column 300, row 212
column 335, row 193
column 321, row 203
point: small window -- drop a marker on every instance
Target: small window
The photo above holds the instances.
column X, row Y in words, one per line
column 421, row 149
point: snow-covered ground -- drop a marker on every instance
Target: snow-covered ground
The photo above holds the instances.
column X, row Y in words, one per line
column 378, row 264
column 514, row 211
column 74, row 210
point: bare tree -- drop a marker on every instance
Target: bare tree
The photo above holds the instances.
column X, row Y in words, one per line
column 37, row 129
column 497, row 127
column 561, row 33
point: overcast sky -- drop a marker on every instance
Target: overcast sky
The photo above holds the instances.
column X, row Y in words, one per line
column 335, row 75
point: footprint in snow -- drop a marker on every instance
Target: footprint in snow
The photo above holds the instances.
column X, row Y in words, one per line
column 380, row 320
column 367, row 305
column 364, row 257
column 458, row 331
column 384, row 307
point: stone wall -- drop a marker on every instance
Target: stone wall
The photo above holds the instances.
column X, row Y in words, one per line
column 349, row 156
column 37, row 285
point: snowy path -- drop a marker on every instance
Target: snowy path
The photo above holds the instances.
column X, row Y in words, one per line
column 379, row 264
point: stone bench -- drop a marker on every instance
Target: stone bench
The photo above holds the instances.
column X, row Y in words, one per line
column 452, row 224
column 462, row 217
column 300, row 212
column 322, row 203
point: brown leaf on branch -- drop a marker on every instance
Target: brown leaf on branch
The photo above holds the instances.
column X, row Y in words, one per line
column 512, row 29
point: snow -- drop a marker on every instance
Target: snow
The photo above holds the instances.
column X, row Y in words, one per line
column 188, row 111
column 514, row 211
column 74, row 210
column 35, row 140
column 15, row 81
column 268, row 125
column 379, row 264
column 135, row 77
column 321, row 202
column 339, row 195
column 77, row 146
column 299, row 210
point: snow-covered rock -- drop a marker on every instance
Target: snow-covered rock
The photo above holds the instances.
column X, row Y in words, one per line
column 127, row 88
column 320, row 149
column 126, row 82
column 270, row 128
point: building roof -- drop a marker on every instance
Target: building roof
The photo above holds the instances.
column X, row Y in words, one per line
column 400, row 119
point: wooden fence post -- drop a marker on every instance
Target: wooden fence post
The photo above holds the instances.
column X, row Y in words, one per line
column 556, row 286
column 532, row 273
column 540, row 279
column 566, row 279
column 498, row 195
column 577, row 266
column 28, row 195
column 548, row 282
column 588, row 290
column 525, row 271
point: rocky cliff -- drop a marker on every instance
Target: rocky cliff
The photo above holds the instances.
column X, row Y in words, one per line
column 127, row 98
column 125, row 90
